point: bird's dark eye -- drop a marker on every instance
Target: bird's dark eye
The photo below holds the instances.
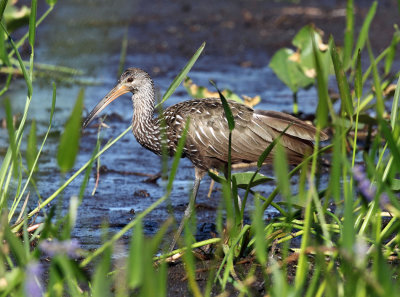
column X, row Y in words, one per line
column 130, row 79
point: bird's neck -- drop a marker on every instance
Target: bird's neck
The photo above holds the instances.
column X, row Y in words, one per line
column 145, row 128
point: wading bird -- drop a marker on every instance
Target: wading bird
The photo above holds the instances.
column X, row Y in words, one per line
column 206, row 143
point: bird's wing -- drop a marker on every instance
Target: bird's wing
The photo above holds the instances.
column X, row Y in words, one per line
column 279, row 121
column 253, row 133
column 208, row 135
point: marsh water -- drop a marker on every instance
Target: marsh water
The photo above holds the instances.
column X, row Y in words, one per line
column 88, row 35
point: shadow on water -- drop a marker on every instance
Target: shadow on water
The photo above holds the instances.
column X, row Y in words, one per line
column 91, row 42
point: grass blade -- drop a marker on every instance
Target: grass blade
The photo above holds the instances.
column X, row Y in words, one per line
column 344, row 90
column 322, row 108
column 391, row 52
column 32, row 23
column 349, row 34
column 122, row 56
column 3, row 4
column 362, row 38
column 258, row 229
column 135, row 259
column 281, row 172
column 380, row 107
column 181, row 76
column 227, row 109
column 11, row 136
column 21, row 63
column 53, row 104
column 31, row 150
column 395, row 106
column 177, row 157
column 69, row 142
column 101, row 282
column 358, row 81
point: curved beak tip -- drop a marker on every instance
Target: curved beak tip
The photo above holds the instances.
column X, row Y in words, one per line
column 117, row 91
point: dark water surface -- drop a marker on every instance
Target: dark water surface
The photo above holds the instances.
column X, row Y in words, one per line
column 87, row 35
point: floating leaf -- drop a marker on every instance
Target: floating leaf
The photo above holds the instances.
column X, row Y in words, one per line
column 69, row 142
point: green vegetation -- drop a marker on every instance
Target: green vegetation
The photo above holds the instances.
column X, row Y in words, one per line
column 335, row 239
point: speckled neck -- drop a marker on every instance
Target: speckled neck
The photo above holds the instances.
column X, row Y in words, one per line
column 144, row 126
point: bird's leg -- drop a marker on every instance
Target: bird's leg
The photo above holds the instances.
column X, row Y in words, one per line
column 199, row 174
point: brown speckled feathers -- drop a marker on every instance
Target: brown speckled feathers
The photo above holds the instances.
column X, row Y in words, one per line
column 207, row 140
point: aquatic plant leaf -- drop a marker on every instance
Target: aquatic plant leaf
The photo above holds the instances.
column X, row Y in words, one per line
column 284, row 64
column 244, row 178
column 218, row 178
column 31, row 150
column 341, row 79
column 32, row 23
column 69, row 142
column 303, row 41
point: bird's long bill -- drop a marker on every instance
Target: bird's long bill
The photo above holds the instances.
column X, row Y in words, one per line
column 117, row 91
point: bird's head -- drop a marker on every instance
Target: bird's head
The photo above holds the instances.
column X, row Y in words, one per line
column 130, row 81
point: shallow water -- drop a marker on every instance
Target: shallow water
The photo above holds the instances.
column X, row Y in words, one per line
column 91, row 42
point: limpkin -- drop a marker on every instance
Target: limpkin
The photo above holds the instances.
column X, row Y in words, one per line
column 206, row 144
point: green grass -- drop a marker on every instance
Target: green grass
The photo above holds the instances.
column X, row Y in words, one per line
column 335, row 239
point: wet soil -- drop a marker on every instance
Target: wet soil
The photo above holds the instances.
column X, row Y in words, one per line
column 241, row 37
